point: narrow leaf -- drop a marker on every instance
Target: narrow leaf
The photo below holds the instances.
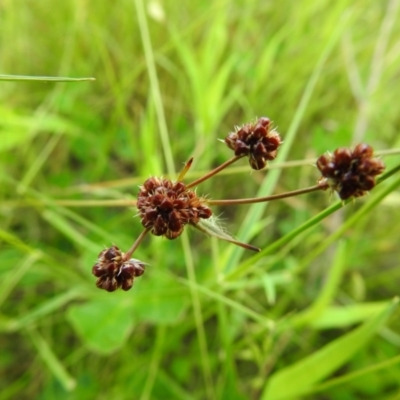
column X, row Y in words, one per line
column 301, row 377
column 328, row 290
column 211, row 228
column 53, row 363
column 344, row 316
column 27, row 78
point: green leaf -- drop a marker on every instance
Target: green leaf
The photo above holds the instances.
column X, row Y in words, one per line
column 327, row 292
column 301, row 377
column 344, row 316
column 68, row 229
column 161, row 300
column 18, row 128
column 47, row 307
column 104, row 323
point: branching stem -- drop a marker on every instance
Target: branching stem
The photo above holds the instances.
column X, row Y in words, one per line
column 321, row 186
column 213, row 172
column 136, row 244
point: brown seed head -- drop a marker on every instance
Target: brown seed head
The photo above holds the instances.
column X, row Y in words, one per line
column 165, row 207
column 113, row 272
column 256, row 140
column 350, row 172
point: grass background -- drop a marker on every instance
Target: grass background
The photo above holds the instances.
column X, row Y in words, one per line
column 312, row 316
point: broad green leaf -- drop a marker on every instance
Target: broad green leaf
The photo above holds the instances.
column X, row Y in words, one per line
column 301, row 377
column 104, row 323
column 161, row 300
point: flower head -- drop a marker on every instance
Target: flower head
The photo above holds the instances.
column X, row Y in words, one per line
column 113, row 272
column 165, row 207
column 350, row 172
column 256, row 140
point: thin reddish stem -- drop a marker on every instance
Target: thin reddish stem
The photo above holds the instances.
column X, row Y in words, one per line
column 252, row 200
column 244, row 245
column 213, row 172
column 135, row 245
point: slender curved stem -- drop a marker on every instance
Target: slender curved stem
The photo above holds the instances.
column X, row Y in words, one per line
column 252, row 200
column 135, row 245
column 213, row 172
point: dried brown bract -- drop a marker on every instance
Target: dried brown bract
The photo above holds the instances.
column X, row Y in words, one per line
column 350, row 172
column 165, row 207
column 256, row 140
column 113, row 272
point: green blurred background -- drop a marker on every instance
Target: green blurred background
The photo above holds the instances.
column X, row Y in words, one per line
column 203, row 322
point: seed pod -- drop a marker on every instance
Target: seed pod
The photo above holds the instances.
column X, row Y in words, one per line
column 165, row 207
column 351, row 173
column 113, row 272
column 255, row 140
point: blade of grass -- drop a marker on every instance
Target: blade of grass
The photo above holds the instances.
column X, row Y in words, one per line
column 255, row 212
column 369, row 206
column 9, row 282
column 265, row 322
column 196, row 303
column 10, row 78
column 344, row 316
column 154, row 365
column 42, row 310
column 357, row 374
column 51, row 360
column 250, row 263
column 328, row 290
column 155, row 86
column 66, row 228
column 304, row 374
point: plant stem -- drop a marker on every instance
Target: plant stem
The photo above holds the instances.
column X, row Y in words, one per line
column 185, row 169
column 213, row 172
column 135, row 245
column 252, row 200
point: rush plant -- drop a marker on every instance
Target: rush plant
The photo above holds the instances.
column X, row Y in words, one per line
column 166, row 207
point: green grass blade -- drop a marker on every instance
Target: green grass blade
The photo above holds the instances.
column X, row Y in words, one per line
column 374, row 201
column 335, row 317
column 251, row 263
column 391, row 362
column 64, row 226
column 41, row 311
column 52, row 362
column 327, row 292
column 306, row 373
column 269, row 183
column 26, row 78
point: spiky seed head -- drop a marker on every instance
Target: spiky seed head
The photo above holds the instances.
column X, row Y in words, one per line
column 257, row 140
column 165, row 207
column 113, row 272
column 350, row 172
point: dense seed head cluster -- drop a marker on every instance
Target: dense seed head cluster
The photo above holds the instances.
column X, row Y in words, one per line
column 113, row 272
column 350, row 172
column 256, row 140
column 165, row 207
